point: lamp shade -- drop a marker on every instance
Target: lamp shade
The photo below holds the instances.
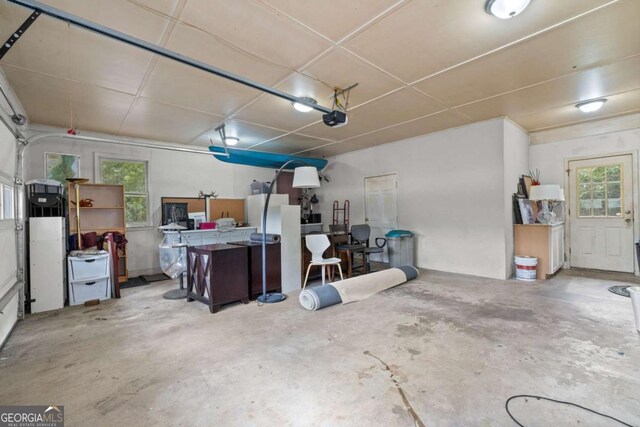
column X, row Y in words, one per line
column 305, row 177
column 546, row 192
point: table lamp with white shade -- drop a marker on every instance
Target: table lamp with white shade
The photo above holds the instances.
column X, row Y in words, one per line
column 552, row 195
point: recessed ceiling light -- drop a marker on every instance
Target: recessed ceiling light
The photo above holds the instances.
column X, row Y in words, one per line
column 304, row 108
column 505, row 9
column 591, row 106
column 231, row 140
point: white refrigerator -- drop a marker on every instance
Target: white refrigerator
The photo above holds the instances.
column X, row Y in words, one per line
column 47, row 251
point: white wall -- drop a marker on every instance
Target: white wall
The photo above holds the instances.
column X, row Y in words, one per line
column 550, row 158
column 171, row 173
column 451, row 193
column 516, row 164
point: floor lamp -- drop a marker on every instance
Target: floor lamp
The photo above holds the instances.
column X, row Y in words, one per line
column 303, row 177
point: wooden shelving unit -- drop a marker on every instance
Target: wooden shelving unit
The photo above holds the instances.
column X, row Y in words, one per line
column 106, row 214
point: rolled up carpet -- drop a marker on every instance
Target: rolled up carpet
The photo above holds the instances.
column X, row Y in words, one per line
column 355, row 288
column 271, row 238
column 319, row 297
column 361, row 287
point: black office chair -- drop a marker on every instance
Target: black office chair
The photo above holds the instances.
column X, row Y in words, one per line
column 360, row 233
column 341, row 245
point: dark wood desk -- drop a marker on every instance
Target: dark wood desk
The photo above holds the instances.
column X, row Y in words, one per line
column 217, row 274
column 274, row 271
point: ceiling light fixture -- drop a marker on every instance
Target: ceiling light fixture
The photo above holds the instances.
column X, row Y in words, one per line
column 302, row 107
column 591, row 106
column 506, row 9
column 231, row 140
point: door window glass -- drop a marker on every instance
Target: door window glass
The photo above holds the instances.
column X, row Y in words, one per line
column 600, row 191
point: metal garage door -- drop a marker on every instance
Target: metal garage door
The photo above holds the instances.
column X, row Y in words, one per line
column 9, row 298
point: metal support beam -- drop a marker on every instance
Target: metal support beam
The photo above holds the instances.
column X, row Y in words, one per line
column 159, row 50
column 13, row 38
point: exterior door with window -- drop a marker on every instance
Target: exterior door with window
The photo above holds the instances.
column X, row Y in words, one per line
column 601, row 213
column 381, row 209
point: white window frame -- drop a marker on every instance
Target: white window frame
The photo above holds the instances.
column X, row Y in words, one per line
column 130, row 158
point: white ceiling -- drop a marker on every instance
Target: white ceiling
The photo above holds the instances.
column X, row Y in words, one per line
column 421, row 66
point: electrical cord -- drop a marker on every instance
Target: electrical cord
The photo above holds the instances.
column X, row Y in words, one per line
column 506, row 406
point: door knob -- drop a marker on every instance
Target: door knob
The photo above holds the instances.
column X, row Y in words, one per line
column 627, row 212
column 628, row 220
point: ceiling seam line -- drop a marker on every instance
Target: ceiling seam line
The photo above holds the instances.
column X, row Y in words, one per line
column 573, row 104
column 68, row 79
column 300, row 23
column 164, row 39
column 515, row 42
column 375, row 66
column 284, row 79
column 316, row 148
column 595, row 67
column 585, row 121
column 383, row 128
column 382, row 15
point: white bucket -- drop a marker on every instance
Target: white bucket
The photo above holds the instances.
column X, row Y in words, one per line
column 526, row 268
column 634, row 292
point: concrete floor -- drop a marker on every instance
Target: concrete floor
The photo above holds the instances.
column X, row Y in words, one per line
column 444, row 350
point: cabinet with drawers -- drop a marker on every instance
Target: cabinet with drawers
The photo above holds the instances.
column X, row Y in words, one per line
column 89, row 278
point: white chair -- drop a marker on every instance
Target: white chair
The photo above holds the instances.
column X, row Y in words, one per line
column 317, row 244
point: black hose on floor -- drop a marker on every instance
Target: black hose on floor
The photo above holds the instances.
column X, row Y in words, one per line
column 506, row 406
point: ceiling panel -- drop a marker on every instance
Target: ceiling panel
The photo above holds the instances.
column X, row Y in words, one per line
column 290, row 144
column 58, row 102
column 248, row 133
column 203, row 47
column 400, row 106
column 340, row 69
column 278, row 113
column 163, row 122
column 434, row 123
column 329, row 150
column 41, row 48
column 594, row 83
column 132, row 17
column 427, row 36
column 619, row 104
column 257, row 29
column 285, row 44
column 347, row 16
column 174, row 83
column 51, row 47
column 100, row 61
column 611, row 34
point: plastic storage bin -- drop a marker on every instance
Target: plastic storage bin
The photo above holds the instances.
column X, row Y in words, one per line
column 400, row 247
column 82, row 291
column 84, row 267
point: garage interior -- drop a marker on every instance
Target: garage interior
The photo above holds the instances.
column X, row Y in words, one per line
column 270, row 212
